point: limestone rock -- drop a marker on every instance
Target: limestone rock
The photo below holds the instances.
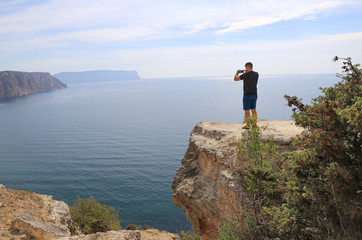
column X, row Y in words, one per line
column 40, row 217
column 40, row 207
column 208, row 185
column 154, row 234
column 16, row 84
column 36, row 229
column 150, row 234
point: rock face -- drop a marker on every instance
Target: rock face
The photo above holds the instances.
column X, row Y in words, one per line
column 151, row 234
column 16, row 84
column 96, row 76
column 34, row 228
column 34, row 215
column 111, row 235
column 42, row 207
column 25, row 215
column 208, row 184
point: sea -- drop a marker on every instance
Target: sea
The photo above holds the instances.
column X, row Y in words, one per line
column 122, row 142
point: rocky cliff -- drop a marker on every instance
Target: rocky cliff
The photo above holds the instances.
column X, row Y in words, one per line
column 208, row 185
column 25, row 215
column 16, row 84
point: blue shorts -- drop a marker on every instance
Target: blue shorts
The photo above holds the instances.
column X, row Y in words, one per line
column 249, row 102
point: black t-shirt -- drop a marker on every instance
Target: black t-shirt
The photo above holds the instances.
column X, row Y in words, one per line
column 250, row 82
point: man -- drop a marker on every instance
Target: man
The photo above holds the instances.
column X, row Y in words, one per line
column 250, row 90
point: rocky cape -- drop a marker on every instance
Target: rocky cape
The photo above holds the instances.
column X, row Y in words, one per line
column 96, row 76
column 208, row 185
column 17, row 84
column 25, row 215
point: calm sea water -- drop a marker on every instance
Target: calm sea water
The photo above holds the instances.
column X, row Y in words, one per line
column 122, row 142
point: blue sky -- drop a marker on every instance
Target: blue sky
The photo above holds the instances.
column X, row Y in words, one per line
column 179, row 38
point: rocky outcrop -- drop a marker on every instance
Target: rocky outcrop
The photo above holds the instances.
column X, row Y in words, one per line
column 150, row 234
column 42, row 207
column 33, row 228
column 110, row 235
column 208, row 185
column 25, row 215
column 16, row 84
column 25, row 212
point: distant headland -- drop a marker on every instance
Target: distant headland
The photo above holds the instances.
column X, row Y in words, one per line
column 96, row 76
column 17, row 84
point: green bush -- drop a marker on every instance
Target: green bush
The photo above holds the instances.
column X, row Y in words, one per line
column 132, row 226
column 189, row 236
column 261, row 178
column 327, row 173
column 232, row 230
column 312, row 192
column 90, row 216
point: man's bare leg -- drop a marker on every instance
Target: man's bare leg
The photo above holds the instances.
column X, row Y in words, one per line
column 255, row 117
column 247, row 116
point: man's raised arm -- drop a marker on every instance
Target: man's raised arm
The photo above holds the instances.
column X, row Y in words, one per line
column 236, row 77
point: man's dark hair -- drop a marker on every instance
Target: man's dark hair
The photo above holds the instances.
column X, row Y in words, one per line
column 249, row 64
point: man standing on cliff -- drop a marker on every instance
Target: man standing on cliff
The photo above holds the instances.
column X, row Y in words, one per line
column 250, row 90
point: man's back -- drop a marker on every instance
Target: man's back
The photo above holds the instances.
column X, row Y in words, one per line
column 250, row 80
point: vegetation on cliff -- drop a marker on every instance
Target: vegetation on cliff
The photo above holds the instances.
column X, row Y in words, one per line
column 313, row 192
column 90, row 216
column 189, row 236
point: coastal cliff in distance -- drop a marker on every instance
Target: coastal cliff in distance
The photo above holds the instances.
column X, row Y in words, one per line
column 208, row 185
column 96, row 76
column 17, row 84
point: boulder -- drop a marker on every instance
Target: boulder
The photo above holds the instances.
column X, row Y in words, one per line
column 39, row 230
column 38, row 206
column 150, row 234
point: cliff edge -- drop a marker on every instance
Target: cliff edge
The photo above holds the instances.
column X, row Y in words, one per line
column 25, row 215
column 208, row 184
column 17, row 84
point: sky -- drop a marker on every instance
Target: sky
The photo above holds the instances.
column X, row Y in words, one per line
column 179, row 38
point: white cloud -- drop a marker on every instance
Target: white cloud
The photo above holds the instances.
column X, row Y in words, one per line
column 200, row 27
column 341, row 37
column 309, row 56
column 7, row 5
column 292, row 11
column 311, row 18
column 97, row 36
column 107, row 35
column 70, row 15
column 55, row 35
column 312, row 56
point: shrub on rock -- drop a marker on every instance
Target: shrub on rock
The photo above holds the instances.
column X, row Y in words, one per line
column 90, row 216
